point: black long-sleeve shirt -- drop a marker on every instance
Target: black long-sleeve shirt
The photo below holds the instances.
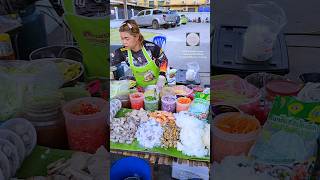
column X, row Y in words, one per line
column 154, row 51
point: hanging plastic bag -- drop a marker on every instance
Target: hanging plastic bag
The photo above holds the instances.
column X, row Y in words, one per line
column 266, row 21
column 119, row 88
column 47, row 75
column 11, row 97
column 24, row 78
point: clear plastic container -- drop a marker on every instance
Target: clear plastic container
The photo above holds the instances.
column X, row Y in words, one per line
column 183, row 106
column 151, row 103
column 136, row 100
column 44, row 112
column 86, row 132
column 234, row 91
column 167, row 91
column 168, row 103
column 266, row 21
column 125, row 101
column 227, row 144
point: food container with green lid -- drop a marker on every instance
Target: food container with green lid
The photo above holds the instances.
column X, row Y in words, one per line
column 151, row 103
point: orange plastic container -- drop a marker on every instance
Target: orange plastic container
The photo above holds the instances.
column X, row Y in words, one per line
column 86, row 132
column 228, row 144
column 136, row 100
column 183, row 104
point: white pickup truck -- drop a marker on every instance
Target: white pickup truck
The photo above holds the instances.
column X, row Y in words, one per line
column 155, row 18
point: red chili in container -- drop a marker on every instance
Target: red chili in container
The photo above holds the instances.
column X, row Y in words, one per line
column 137, row 100
column 86, row 123
column 282, row 88
column 86, row 109
column 87, row 138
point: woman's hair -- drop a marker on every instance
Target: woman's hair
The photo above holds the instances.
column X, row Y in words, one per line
column 131, row 27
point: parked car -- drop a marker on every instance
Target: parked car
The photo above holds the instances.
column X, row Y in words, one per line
column 183, row 19
column 155, row 18
column 177, row 17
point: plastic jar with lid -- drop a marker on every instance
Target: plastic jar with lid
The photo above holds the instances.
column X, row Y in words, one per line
column 136, row 100
column 125, row 101
column 281, row 88
column 231, row 144
column 151, row 103
column 48, row 120
column 183, row 104
column 86, row 129
column 168, row 103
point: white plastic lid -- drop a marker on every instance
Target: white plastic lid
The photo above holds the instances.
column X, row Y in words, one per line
column 15, row 140
column 25, row 130
column 1, row 174
column 8, row 149
column 4, row 166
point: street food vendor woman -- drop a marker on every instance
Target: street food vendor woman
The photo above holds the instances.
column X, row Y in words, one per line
column 146, row 59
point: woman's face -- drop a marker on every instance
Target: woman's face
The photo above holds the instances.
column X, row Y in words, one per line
column 128, row 40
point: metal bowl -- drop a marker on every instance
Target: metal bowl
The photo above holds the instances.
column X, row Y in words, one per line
column 74, row 80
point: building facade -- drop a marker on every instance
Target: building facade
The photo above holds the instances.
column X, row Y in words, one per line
column 178, row 5
column 117, row 8
column 134, row 6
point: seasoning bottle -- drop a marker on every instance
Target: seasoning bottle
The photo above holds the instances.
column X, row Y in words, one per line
column 6, row 50
column 125, row 69
column 112, row 71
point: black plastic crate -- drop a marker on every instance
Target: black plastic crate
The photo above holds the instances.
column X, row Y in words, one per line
column 227, row 54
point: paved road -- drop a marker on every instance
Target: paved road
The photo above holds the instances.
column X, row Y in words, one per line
column 179, row 54
column 176, row 50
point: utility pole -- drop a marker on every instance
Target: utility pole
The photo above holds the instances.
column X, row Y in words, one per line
column 125, row 9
